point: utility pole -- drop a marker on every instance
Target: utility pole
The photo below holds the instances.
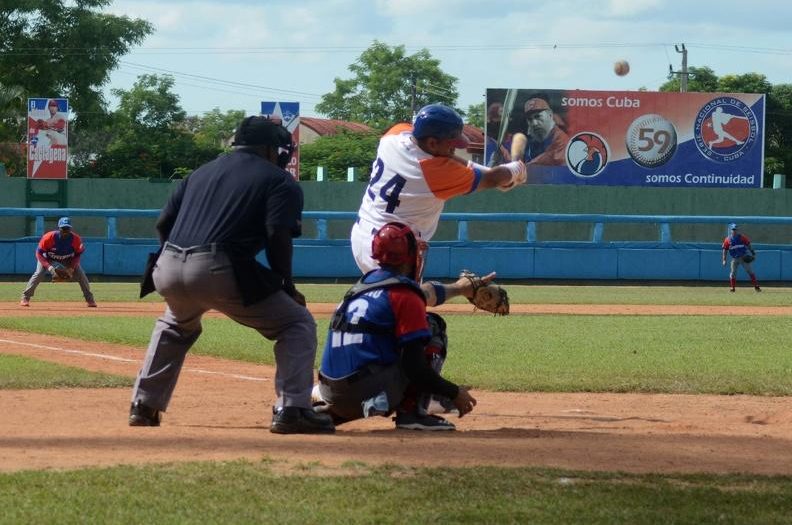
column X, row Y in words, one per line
column 683, row 75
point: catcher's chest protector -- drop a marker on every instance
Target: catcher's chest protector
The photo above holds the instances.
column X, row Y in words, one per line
column 339, row 323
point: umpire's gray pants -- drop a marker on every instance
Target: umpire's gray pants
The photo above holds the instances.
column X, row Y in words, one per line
column 194, row 283
column 41, row 273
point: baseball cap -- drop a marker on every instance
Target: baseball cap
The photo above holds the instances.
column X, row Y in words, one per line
column 534, row 105
column 64, row 222
column 261, row 131
column 733, row 226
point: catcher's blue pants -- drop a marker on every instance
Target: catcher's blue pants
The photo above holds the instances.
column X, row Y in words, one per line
column 193, row 283
column 41, row 273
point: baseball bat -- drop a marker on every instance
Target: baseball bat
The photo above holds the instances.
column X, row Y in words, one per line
column 508, row 105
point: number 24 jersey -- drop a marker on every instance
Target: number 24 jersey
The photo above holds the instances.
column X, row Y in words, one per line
column 411, row 186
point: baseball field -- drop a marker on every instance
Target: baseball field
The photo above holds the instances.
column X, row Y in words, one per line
column 596, row 404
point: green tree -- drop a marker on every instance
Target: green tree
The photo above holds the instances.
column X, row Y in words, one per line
column 336, row 153
column 700, row 79
column 12, row 159
column 148, row 138
column 213, row 129
column 475, row 115
column 778, row 131
column 387, row 86
column 746, row 83
column 65, row 48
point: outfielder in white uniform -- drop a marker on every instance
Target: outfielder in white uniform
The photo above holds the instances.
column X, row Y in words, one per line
column 415, row 172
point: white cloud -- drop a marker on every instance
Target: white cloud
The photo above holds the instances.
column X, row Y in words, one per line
column 628, row 8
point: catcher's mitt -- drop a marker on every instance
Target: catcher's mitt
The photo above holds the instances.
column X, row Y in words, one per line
column 487, row 296
column 748, row 258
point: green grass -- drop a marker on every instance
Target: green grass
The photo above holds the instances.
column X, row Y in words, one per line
column 17, row 372
column 710, row 294
column 245, row 492
column 554, row 353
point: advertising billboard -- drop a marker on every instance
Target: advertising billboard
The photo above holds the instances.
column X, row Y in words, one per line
column 629, row 138
column 48, row 138
column 289, row 113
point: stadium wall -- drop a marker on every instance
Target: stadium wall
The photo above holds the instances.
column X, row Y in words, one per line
column 345, row 196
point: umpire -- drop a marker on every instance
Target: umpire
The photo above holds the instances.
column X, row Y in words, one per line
column 210, row 230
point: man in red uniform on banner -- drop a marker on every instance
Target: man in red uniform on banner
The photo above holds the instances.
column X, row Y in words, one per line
column 48, row 141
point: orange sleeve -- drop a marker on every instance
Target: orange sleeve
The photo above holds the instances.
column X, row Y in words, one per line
column 399, row 128
column 448, row 178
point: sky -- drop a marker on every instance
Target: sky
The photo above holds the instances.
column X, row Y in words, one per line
column 233, row 54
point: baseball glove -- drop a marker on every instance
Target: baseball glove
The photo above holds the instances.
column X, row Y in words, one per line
column 748, row 258
column 487, row 296
column 61, row 273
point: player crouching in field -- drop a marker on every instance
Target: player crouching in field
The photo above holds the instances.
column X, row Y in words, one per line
column 384, row 352
column 58, row 253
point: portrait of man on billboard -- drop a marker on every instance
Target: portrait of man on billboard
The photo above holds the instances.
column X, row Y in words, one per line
column 540, row 139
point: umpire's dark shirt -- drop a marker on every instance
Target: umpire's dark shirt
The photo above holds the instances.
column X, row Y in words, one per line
column 231, row 200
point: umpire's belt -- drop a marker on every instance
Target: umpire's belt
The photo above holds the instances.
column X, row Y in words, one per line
column 352, row 378
column 202, row 248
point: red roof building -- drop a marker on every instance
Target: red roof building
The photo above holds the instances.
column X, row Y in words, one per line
column 312, row 128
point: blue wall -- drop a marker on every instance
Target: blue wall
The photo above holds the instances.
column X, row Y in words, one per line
column 322, row 257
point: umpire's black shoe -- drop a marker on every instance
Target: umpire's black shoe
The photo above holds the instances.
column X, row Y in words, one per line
column 142, row 416
column 296, row 420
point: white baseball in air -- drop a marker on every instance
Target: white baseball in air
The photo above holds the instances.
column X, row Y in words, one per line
column 651, row 140
column 621, row 67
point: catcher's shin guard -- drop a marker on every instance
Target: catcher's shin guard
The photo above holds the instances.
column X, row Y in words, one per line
column 435, row 351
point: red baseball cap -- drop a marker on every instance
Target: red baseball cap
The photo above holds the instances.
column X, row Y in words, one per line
column 534, row 105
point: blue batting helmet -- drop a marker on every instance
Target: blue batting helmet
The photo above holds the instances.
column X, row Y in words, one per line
column 440, row 122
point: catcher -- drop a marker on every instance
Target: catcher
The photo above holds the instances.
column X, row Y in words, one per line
column 738, row 246
column 384, row 353
column 58, row 253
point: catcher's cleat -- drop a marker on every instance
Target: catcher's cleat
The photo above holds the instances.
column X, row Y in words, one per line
column 757, row 288
column 24, row 302
column 296, row 420
column 414, row 421
column 441, row 405
column 91, row 303
column 731, row 289
column 141, row 415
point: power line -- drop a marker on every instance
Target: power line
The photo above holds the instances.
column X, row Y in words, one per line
column 220, row 81
column 350, row 49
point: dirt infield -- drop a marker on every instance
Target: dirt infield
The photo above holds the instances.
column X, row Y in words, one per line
column 220, row 411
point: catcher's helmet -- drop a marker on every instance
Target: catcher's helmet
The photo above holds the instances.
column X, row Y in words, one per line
column 440, row 122
column 265, row 131
column 394, row 244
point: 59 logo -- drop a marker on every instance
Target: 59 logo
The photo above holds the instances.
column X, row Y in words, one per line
column 651, row 140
